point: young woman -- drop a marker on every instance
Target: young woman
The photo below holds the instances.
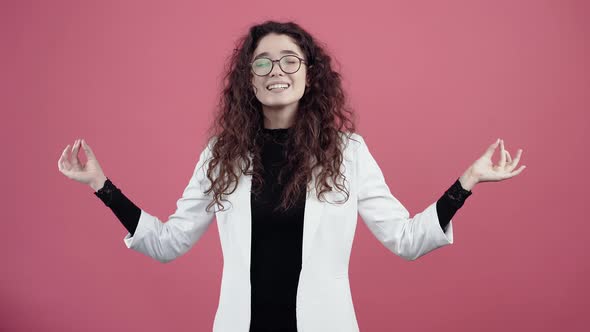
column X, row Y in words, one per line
column 286, row 176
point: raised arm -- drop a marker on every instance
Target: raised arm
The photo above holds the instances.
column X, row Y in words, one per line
column 163, row 241
column 166, row 241
column 389, row 220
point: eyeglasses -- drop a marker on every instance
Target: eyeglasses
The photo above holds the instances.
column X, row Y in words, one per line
column 289, row 64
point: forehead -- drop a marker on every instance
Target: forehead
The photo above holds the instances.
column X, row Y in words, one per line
column 273, row 45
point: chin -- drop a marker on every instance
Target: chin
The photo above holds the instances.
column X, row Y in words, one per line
column 275, row 101
column 279, row 100
column 277, row 104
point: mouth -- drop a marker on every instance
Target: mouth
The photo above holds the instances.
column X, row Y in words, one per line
column 278, row 88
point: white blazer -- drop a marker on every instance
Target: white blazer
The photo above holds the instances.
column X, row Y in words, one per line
column 324, row 301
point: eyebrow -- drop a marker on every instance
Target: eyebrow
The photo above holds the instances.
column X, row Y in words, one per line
column 282, row 52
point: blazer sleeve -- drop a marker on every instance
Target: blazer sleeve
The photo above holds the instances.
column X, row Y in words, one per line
column 389, row 220
column 166, row 241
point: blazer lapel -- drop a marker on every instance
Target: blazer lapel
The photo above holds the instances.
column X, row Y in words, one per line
column 243, row 218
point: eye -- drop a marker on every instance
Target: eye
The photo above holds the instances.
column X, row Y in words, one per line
column 262, row 63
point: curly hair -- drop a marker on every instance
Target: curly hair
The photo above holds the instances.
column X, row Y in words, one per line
column 315, row 141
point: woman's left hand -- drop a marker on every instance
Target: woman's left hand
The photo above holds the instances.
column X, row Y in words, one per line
column 483, row 170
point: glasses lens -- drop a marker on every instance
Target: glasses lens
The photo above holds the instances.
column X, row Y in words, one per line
column 261, row 66
column 290, row 64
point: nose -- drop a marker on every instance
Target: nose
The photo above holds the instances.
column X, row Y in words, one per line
column 276, row 69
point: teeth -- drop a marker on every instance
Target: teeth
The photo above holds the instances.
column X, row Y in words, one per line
column 280, row 85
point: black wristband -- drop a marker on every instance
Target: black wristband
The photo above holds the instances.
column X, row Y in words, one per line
column 456, row 194
column 106, row 192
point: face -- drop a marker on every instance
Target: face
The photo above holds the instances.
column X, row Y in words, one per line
column 274, row 46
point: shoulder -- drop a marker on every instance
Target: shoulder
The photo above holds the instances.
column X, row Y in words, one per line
column 205, row 153
column 354, row 145
column 352, row 140
column 211, row 142
column 207, row 147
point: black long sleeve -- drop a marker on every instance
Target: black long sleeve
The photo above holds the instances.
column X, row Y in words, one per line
column 450, row 202
column 127, row 212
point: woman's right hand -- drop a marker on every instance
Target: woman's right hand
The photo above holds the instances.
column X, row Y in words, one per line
column 90, row 173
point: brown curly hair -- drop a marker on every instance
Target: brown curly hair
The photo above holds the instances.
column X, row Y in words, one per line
column 322, row 117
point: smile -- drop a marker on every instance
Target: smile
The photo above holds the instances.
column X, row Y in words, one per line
column 279, row 87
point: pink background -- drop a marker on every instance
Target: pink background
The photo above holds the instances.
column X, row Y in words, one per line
column 433, row 82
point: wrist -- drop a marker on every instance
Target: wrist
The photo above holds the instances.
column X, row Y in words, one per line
column 468, row 180
column 98, row 183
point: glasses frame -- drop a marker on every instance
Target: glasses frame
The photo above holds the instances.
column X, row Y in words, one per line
column 272, row 64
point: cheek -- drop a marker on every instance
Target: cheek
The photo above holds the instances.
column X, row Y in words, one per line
column 256, row 85
column 301, row 82
column 303, row 79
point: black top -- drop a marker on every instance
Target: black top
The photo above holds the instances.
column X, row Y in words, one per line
column 277, row 238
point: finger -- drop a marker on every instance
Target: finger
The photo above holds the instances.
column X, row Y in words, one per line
column 518, row 171
column 517, row 158
column 490, row 150
column 60, row 164
column 65, row 161
column 75, row 148
column 509, row 166
column 502, row 162
column 88, row 150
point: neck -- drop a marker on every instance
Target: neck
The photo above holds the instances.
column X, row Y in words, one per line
column 279, row 117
